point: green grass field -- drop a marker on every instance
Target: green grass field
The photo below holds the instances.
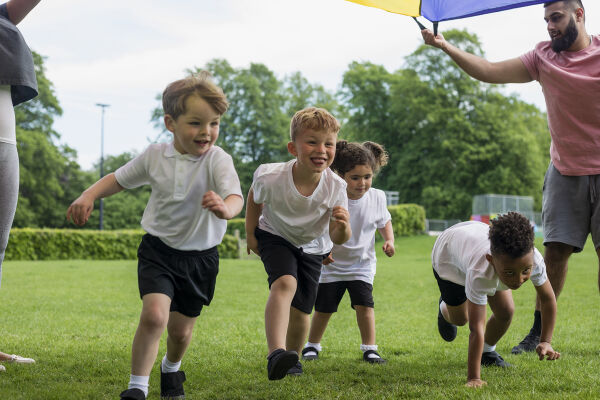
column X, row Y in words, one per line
column 77, row 319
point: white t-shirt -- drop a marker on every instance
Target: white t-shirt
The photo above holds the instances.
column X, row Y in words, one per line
column 174, row 212
column 355, row 259
column 301, row 220
column 459, row 256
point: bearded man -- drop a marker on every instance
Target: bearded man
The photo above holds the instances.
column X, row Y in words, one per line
column 568, row 69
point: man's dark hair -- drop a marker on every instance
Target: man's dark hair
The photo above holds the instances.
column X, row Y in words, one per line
column 511, row 234
column 573, row 4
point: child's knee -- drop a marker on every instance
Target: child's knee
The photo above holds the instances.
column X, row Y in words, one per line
column 285, row 283
column 506, row 313
column 180, row 335
column 154, row 318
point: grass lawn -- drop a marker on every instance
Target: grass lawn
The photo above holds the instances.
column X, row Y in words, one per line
column 77, row 319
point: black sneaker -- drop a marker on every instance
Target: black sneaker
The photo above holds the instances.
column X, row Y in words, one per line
column 310, row 353
column 296, row 370
column 493, row 359
column 446, row 329
column 171, row 385
column 373, row 357
column 280, row 361
column 528, row 344
column 132, row 394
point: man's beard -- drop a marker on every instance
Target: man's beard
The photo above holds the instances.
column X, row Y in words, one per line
column 565, row 41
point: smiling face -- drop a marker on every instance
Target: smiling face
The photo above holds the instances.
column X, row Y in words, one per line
column 563, row 25
column 314, row 150
column 513, row 272
column 197, row 129
column 358, row 180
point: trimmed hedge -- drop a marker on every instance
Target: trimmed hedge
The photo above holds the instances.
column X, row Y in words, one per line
column 407, row 219
column 239, row 224
column 64, row 244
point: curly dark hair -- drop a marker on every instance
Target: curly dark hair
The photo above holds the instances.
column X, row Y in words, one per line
column 350, row 154
column 511, row 234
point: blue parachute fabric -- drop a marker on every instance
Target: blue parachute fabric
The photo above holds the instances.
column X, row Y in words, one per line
column 445, row 10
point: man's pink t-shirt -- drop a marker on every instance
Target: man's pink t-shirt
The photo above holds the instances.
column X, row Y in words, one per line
column 571, row 85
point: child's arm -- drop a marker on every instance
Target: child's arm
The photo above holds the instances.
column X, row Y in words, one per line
column 79, row 211
column 253, row 212
column 387, row 233
column 548, row 303
column 224, row 209
column 339, row 225
column 477, row 327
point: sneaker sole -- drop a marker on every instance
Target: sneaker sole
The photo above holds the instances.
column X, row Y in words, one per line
column 280, row 370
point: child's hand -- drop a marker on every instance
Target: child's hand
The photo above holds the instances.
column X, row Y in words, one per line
column 340, row 216
column 328, row 260
column 544, row 349
column 475, row 383
column 388, row 248
column 252, row 244
column 215, row 204
column 79, row 211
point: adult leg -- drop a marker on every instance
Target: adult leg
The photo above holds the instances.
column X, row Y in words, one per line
column 9, row 193
column 153, row 321
column 277, row 311
column 556, row 257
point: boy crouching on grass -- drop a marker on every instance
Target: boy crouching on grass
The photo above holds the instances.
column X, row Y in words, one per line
column 195, row 189
column 293, row 210
column 475, row 264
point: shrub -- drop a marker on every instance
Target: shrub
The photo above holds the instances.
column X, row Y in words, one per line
column 64, row 244
column 239, row 224
column 407, row 219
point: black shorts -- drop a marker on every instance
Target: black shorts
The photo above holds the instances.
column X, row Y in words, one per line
column 330, row 294
column 280, row 258
column 187, row 277
column 452, row 293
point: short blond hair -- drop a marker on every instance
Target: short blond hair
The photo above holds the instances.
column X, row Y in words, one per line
column 199, row 84
column 317, row 119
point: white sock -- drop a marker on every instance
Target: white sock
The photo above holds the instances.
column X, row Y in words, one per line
column 139, row 382
column 367, row 347
column 315, row 345
column 487, row 348
column 168, row 366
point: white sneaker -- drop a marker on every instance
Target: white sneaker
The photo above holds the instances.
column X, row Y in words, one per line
column 20, row 360
column 2, row 368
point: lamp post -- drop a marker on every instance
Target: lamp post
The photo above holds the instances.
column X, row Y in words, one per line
column 103, row 106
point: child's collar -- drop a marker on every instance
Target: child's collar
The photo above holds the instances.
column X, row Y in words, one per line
column 171, row 151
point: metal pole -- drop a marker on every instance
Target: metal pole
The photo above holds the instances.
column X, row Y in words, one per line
column 103, row 106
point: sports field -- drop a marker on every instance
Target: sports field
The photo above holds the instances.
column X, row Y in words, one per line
column 77, row 319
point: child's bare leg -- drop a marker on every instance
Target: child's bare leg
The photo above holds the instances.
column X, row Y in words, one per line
column 153, row 321
column 277, row 311
column 317, row 326
column 365, row 317
column 503, row 308
column 456, row 315
column 297, row 330
column 179, row 328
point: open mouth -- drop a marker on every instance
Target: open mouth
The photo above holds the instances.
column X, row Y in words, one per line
column 318, row 161
column 201, row 143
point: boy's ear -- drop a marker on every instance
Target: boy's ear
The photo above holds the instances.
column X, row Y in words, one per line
column 169, row 123
column 292, row 149
column 488, row 257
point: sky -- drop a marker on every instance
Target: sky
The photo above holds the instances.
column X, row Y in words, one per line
column 123, row 53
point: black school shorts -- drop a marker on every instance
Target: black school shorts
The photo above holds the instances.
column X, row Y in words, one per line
column 280, row 258
column 452, row 293
column 330, row 294
column 187, row 277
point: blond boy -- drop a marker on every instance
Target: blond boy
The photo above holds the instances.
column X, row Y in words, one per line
column 294, row 210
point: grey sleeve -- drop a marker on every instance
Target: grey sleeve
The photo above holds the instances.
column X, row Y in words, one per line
column 3, row 10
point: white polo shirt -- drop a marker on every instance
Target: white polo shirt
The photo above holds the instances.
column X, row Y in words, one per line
column 301, row 220
column 459, row 256
column 355, row 260
column 174, row 212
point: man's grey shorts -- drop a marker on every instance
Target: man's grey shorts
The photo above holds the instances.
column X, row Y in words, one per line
column 571, row 208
